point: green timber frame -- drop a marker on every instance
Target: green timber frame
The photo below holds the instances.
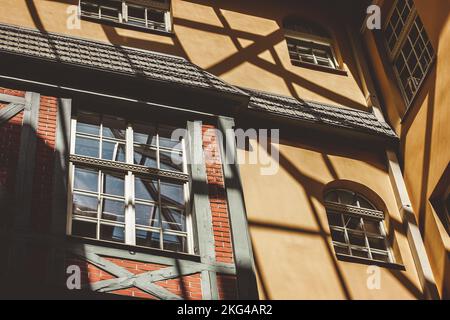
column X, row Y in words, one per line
column 20, row 241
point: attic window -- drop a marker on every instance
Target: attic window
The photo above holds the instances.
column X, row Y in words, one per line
column 145, row 14
column 309, row 44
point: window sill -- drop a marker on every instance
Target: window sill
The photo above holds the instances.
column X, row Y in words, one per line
column 389, row 265
column 132, row 250
column 128, row 26
column 340, row 72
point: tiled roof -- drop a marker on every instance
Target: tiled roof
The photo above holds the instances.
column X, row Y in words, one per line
column 107, row 57
column 317, row 113
column 172, row 69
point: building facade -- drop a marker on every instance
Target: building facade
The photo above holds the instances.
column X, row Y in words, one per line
column 227, row 150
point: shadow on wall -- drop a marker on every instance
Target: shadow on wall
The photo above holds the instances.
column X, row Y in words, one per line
column 249, row 54
column 36, row 254
column 314, row 190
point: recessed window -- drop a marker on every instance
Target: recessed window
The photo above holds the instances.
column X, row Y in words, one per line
column 129, row 183
column 440, row 199
column 356, row 226
column 309, row 44
column 301, row 51
column 409, row 47
column 152, row 15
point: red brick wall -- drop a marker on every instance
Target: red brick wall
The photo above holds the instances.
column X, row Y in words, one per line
column 226, row 284
column 188, row 287
column 45, row 159
column 9, row 146
column 217, row 197
column 45, row 147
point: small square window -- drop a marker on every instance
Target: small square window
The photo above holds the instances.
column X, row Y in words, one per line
column 129, row 13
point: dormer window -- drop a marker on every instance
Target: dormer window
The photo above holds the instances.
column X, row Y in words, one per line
column 146, row 14
column 309, row 44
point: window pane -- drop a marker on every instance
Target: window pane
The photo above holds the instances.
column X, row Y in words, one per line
column 360, row 253
column 165, row 138
column 341, row 249
column 347, row 198
column 114, row 184
column 113, row 151
column 145, row 157
column 338, row 235
column 114, row 128
column 172, row 194
column 171, row 161
column 175, row 243
column 87, row 147
column 112, row 233
column 357, row 239
column 331, row 196
column 377, row 243
column 113, row 210
column 156, row 16
column 334, row 219
column 173, row 219
column 87, row 123
column 84, row 229
column 86, row 179
column 147, row 215
column 147, row 238
column 85, row 205
column 363, row 203
column 144, row 134
column 380, row 257
column 372, row 226
column 353, row 223
column 146, row 189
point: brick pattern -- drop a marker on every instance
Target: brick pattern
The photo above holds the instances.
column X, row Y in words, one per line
column 45, row 153
column 226, row 284
column 9, row 146
column 217, row 197
column 188, row 287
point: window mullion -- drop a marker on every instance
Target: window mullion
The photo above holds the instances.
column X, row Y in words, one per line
column 130, row 214
column 99, row 200
column 130, row 230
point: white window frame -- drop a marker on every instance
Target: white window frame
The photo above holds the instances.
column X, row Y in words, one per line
column 396, row 52
column 123, row 16
column 346, row 210
column 318, row 41
column 129, row 183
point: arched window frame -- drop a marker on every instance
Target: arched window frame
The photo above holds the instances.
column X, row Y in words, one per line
column 373, row 246
column 314, row 42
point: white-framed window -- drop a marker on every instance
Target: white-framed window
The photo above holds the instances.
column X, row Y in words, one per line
column 356, row 226
column 303, row 51
column 409, row 48
column 153, row 15
column 129, row 183
column 309, row 43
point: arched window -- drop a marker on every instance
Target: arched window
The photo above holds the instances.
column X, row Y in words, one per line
column 356, row 226
column 309, row 43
